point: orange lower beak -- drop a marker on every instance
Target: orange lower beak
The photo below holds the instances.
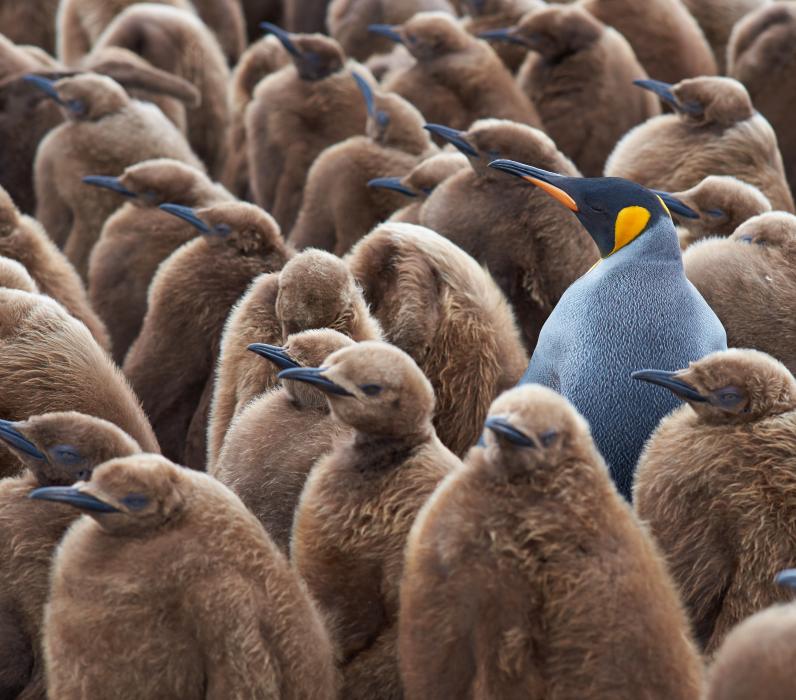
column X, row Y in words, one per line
column 554, row 192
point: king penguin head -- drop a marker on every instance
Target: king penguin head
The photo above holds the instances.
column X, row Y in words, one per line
column 614, row 211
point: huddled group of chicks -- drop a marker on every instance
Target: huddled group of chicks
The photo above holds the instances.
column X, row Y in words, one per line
column 372, row 349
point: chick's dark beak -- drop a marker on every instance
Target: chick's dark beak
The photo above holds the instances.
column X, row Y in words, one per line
column 786, row 578
column 314, row 376
column 74, row 497
column 11, row 435
column 453, row 137
column 367, row 93
column 670, row 381
column 391, row 183
column 275, row 354
column 387, row 31
column 186, row 214
column 108, row 183
column 283, row 36
column 501, row 426
column 46, row 85
column 506, row 35
column 557, row 186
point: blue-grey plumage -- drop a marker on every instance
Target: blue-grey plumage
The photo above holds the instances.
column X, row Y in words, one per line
column 635, row 309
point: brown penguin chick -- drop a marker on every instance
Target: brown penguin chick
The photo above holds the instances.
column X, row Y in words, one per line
column 208, row 602
column 715, row 485
column 13, row 275
column 170, row 364
column 138, row 237
column 749, row 280
column 50, row 362
column 441, row 307
column 105, row 132
column 760, row 50
column 723, row 204
column 56, row 449
column 359, row 504
column 517, row 581
column 757, row 657
column 420, row 182
column 578, row 72
column 255, row 12
column 262, row 58
column 455, row 78
column 315, row 289
column 179, row 42
column 30, row 23
column 664, row 35
column 305, row 16
column 348, row 22
column 534, row 249
column 225, row 18
column 276, row 439
column 16, row 59
column 338, row 206
column 717, row 18
column 23, row 239
column 489, row 15
column 715, row 131
column 296, row 113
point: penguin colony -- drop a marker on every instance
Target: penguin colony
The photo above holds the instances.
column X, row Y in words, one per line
column 384, row 349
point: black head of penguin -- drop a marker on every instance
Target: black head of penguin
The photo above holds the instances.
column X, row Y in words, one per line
column 614, row 211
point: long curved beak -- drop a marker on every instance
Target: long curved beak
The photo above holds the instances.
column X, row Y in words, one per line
column 186, row 214
column 72, row 496
column 506, row 35
column 46, row 85
column 10, row 435
column 367, row 93
column 454, row 137
column 664, row 91
column 387, row 31
column 391, row 183
column 314, row 376
column 283, row 36
column 275, row 354
column 500, row 426
column 554, row 184
column 786, row 578
column 673, row 204
column 109, row 183
column 669, row 380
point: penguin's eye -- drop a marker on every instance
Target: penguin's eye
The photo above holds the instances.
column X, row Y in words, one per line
column 222, row 229
column 76, row 106
column 370, row 389
column 135, row 501
column 66, row 454
column 716, row 213
column 382, row 119
column 729, row 397
column 548, row 437
column 427, row 190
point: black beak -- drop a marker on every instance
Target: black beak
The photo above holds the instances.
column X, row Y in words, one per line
column 314, row 376
column 676, row 206
column 186, row 214
column 786, row 578
column 72, row 496
column 10, row 435
column 109, row 183
column 557, row 186
column 386, row 31
column 46, row 85
column 506, row 35
column 500, row 426
column 392, row 183
column 454, row 137
column 668, row 380
column 367, row 93
column 283, row 36
column 274, row 354
column 664, row 91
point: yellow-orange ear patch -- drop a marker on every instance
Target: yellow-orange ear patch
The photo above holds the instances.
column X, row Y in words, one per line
column 630, row 222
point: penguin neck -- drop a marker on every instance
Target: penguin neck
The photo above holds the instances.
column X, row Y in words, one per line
column 658, row 244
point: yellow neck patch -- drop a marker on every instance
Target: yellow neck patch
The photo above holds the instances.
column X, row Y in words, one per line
column 630, row 222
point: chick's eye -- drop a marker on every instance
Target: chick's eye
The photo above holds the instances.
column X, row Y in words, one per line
column 382, row 118
column 370, row 389
column 222, row 229
column 548, row 438
column 66, row 454
column 76, row 106
column 135, row 501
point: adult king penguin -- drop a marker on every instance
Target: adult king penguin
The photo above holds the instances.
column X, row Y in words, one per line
column 634, row 306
